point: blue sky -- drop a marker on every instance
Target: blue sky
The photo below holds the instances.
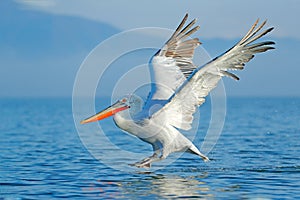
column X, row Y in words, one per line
column 43, row 43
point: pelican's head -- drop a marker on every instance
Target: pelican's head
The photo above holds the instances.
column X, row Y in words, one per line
column 132, row 103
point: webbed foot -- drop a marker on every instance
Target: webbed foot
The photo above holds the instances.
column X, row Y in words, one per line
column 146, row 162
column 146, row 165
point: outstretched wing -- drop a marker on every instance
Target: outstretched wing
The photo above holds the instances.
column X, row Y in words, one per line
column 179, row 111
column 172, row 64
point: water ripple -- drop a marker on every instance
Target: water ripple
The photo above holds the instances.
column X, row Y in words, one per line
column 256, row 157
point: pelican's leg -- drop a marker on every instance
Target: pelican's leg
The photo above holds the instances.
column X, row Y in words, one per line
column 150, row 157
column 146, row 162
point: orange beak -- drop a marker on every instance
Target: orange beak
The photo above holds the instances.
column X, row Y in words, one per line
column 111, row 110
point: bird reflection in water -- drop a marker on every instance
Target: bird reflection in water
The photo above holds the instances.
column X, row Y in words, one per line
column 168, row 186
column 152, row 185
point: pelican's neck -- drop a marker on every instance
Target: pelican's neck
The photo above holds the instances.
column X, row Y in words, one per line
column 124, row 121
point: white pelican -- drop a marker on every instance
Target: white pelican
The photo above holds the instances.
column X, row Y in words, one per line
column 179, row 89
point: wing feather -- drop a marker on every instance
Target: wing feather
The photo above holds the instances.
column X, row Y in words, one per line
column 172, row 64
column 182, row 105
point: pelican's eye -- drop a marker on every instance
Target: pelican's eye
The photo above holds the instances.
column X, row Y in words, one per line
column 124, row 100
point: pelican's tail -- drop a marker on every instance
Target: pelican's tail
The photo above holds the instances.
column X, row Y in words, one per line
column 195, row 150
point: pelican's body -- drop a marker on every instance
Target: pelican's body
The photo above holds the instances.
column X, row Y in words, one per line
column 179, row 89
column 164, row 139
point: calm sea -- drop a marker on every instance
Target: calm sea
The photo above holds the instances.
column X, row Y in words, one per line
column 256, row 157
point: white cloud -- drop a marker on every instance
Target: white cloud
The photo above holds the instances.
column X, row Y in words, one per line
column 37, row 4
column 222, row 19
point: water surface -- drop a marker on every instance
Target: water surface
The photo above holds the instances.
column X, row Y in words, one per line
column 257, row 156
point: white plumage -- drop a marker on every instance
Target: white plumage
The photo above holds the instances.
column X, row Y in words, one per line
column 179, row 89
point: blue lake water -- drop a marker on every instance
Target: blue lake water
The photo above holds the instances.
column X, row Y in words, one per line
column 257, row 156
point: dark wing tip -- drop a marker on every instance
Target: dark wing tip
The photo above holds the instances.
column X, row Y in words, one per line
column 226, row 73
column 270, row 29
